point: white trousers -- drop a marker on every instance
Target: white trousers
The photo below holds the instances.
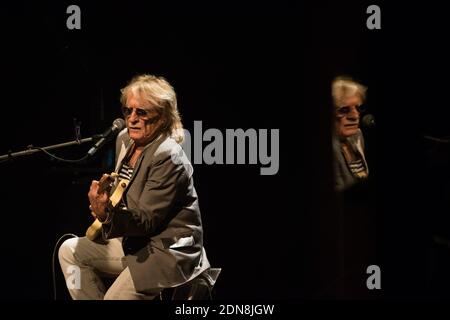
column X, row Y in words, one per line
column 84, row 263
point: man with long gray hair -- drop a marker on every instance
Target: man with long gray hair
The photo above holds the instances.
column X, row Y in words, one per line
column 153, row 235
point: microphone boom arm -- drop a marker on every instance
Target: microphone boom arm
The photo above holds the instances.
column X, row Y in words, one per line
column 31, row 150
column 118, row 125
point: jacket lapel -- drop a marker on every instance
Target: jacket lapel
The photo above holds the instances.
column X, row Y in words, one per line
column 123, row 151
column 152, row 145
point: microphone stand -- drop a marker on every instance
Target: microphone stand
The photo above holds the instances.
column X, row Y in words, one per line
column 31, row 149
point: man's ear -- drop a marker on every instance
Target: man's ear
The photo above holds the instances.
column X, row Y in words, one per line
column 163, row 123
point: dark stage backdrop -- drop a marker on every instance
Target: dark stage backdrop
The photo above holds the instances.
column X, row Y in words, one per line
column 260, row 66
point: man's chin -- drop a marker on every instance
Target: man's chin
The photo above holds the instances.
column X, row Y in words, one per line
column 350, row 132
column 133, row 135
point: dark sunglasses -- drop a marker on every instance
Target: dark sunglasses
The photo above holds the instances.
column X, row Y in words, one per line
column 345, row 110
column 141, row 113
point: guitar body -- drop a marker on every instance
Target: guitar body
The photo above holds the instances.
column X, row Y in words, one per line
column 94, row 230
column 106, row 183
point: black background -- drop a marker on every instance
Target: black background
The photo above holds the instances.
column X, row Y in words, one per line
column 235, row 65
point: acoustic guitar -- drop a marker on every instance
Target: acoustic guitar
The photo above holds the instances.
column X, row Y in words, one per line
column 106, row 184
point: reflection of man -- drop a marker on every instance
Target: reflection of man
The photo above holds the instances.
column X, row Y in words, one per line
column 356, row 209
column 155, row 234
column 348, row 141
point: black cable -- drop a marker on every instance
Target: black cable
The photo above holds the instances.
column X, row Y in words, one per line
column 53, row 260
column 58, row 158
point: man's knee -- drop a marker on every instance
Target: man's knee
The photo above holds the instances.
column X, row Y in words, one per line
column 66, row 250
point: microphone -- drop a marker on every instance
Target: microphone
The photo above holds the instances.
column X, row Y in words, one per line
column 117, row 126
column 368, row 121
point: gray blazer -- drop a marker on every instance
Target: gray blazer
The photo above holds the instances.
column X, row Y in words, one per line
column 343, row 176
column 161, row 222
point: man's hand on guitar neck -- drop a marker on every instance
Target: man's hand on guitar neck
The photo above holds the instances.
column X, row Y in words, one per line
column 98, row 201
